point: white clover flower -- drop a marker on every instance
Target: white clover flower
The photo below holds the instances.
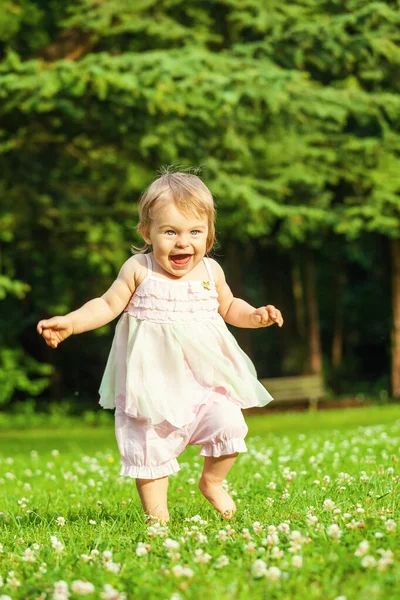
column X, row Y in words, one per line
column 273, row 574
column 142, row 549
column 60, row 591
column 222, row 535
column 329, row 504
column 257, row 476
column 312, row 520
column 334, row 532
column 92, row 522
column 86, row 558
column 246, row 535
column 297, row 561
column 290, row 476
column 106, row 555
column 58, row 546
column 43, row 568
column 269, row 502
column 222, row 561
column 157, row 530
column 282, row 527
column 379, row 535
column 110, row 593
column 257, row 527
column 272, row 539
column 271, row 485
column 386, row 560
column 60, row 521
column 82, row 587
column 391, row 526
column 259, row 568
column 180, row 571
column 112, row 567
column 296, row 537
column 276, row 553
column 201, row 556
column 362, row 549
column 12, row 580
column 28, row 555
column 4, row 597
column 368, row 562
column 171, row 544
column 250, row 547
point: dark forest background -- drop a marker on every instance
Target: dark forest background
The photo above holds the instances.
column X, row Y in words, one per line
column 292, row 112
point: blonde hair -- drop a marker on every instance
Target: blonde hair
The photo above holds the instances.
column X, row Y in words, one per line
column 189, row 194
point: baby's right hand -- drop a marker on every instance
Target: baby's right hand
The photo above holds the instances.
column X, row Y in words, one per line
column 55, row 330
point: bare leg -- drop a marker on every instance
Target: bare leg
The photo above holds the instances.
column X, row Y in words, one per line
column 153, row 495
column 214, row 472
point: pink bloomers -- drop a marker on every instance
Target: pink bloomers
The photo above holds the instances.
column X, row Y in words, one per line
column 150, row 452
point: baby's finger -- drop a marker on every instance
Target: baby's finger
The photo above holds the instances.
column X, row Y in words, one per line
column 265, row 317
column 39, row 327
column 275, row 315
column 256, row 318
column 52, row 323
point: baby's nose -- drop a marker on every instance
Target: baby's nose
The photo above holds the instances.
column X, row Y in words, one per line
column 182, row 242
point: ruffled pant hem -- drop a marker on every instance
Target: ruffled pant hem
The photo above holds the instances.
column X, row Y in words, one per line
column 150, row 472
column 223, row 448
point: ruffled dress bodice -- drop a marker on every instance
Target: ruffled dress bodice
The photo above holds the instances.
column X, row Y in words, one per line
column 172, row 350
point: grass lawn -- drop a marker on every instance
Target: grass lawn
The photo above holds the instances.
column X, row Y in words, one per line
column 317, row 497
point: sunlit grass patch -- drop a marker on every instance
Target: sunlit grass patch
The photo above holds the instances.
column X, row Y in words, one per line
column 317, row 497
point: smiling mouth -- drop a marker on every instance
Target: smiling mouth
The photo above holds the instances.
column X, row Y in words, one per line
column 181, row 260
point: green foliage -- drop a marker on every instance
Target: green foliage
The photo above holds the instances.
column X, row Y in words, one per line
column 291, row 108
column 19, row 372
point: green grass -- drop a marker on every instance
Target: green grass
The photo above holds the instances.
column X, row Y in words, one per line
column 74, row 474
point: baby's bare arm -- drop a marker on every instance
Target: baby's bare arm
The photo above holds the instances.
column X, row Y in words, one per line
column 238, row 312
column 96, row 312
column 102, row 310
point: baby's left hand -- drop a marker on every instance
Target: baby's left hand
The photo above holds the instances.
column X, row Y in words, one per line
column 266, row 316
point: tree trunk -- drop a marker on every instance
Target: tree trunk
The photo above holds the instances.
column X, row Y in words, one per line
column 395, row 248
column 314, row 337
column 298, row 296
column 337, row 338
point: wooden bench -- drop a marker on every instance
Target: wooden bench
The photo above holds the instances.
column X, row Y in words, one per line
column 292, row 389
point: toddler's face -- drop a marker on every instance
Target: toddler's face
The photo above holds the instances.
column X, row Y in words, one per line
column 179, row 241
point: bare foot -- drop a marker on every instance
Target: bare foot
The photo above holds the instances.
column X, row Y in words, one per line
column 218, row 497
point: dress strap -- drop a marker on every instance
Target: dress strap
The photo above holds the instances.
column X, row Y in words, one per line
column 208, row 267
column 149, row 265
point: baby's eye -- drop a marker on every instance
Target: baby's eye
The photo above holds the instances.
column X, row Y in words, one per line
column 170, row 232
column 195, row 231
